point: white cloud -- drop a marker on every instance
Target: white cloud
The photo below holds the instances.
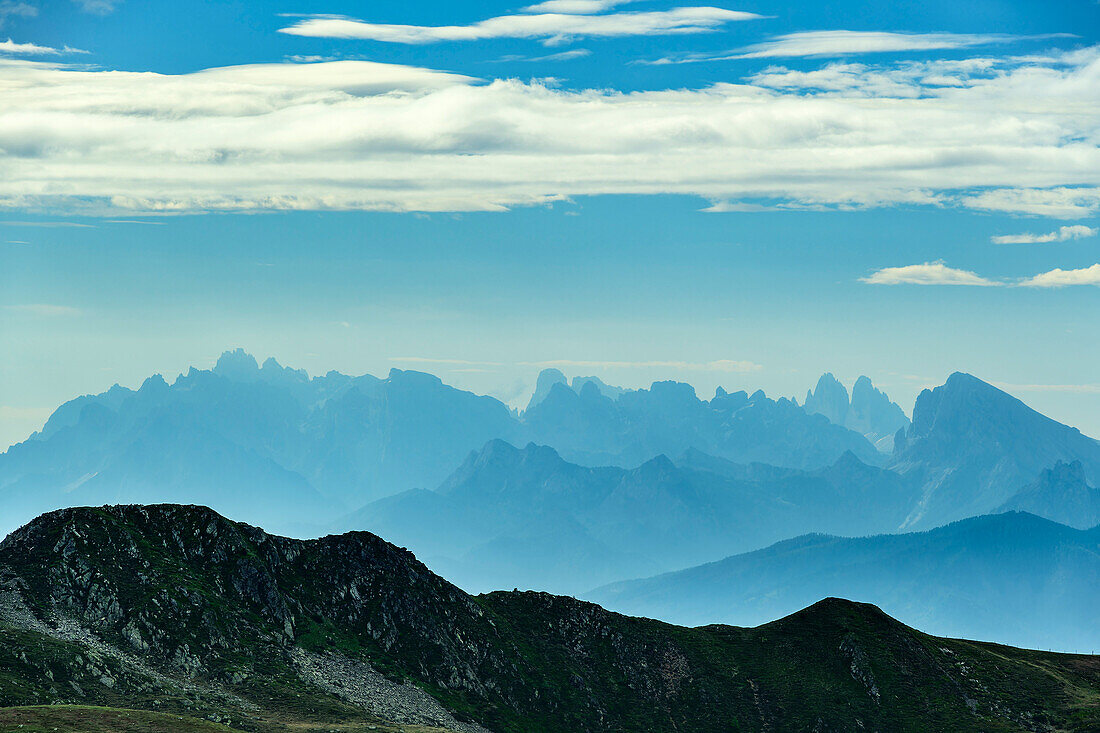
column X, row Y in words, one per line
column 1057, row 202
column 44, row 309
column 551, row 27
column 574, row 7
column 1058, row 278
column 30, row 49
column 930, row 273
column 1064, row 234
column 360, row 135
column 844, row 43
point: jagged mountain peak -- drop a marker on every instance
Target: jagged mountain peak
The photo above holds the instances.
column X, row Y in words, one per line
column 973, row 446
column 1060, row 493
column 237, row 364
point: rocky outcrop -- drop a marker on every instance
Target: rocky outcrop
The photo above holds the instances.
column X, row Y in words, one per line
column 869, row 412
column 175, row 607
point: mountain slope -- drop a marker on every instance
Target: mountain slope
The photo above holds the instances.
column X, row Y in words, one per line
column 511, row 517
column 1061, row 494
column 971, row 447
column 175, row 607
column 1012, row 578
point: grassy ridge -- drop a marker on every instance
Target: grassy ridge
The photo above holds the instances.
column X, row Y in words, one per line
column 214, row 612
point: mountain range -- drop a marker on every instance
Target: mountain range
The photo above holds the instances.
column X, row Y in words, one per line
column 528, row 518
column 611, row 484
column 270, row 444
column 149, row 614
column 1013, row 578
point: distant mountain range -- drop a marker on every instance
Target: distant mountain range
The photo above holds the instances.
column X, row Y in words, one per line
column 178, row 611
column 1013, row 578
column 612, row 483
column 526, row 517
column 272, row 445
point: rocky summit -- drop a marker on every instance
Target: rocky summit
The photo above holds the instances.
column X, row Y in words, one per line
column 175, row 611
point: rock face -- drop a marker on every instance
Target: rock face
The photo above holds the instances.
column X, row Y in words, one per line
column 971, row 447
column 546, row 380
column 1011, row 578
column 178, row 608
column 829, row 398
column 870, row 412
column 512, row 517
column 1061, row 494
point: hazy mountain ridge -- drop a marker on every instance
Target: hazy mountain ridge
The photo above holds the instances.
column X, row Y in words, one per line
column 972, row 447
column 178, row 609
column 311, row 449
column 1012, row 578
column 1061, row 494
column 612, row 522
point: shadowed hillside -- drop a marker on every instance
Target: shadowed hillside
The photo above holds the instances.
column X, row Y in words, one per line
column 177, row 608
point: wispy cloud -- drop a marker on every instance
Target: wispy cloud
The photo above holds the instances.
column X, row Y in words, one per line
column 30, row 49
column 44, row 309
column 720, row 365
column 1056, row 202
column 575, row 7
column 16, row 9
column 450, row 362
column 360, row 135
column 1063, row 234
column 574, row 53
column 930, row 273
column 1058, row 278
column 48, row 224
column 849, row 43
column 1071, row 388
column 550, row 27
column 98, row 7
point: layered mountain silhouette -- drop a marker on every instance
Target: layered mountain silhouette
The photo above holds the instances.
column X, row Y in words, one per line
column 177, row 610
column 1061, row 494
column 590, row 428
column 869, row 412
column 526, row 517
column 272, row 445
column 972, row 447
column 1013, row 578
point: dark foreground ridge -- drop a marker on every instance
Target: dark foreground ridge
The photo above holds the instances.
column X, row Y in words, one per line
column 178, row 610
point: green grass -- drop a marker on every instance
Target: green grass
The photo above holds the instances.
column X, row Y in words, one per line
column 88, row 719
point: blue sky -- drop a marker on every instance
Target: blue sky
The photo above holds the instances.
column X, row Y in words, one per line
column 640, row 190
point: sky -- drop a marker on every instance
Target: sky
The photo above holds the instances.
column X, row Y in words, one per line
column 736, row 194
